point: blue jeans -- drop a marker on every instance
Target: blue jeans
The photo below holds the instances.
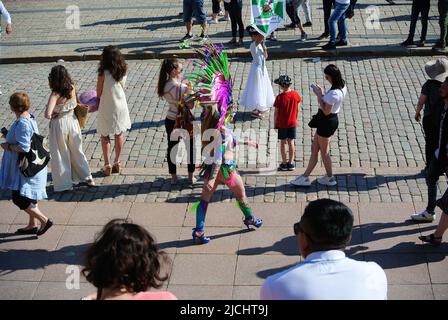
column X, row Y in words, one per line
column 338, row 15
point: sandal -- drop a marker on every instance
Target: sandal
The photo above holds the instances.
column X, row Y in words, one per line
column 435, row 241
column 116, row 168
column 90, row 182
column 107, row 170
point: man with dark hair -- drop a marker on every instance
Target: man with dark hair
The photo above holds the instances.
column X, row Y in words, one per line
column 439, row 162
column 326, row 273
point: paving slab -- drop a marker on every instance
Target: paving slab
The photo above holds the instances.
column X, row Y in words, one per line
column 158, row 214
column 17, row 290
column 410, row 292
column 92, row 214
column 8, row 212
column 269, row 241
column 59, row 291
column 402, row 268
column 246, row 293
column 440, row 291
column 253, row 270
column 437, row 265
column 223, row 241
column 197, row 269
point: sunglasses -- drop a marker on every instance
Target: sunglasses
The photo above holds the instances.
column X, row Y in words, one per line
column 298, row 229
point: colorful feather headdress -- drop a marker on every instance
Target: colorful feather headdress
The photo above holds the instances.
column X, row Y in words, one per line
column 211, row 77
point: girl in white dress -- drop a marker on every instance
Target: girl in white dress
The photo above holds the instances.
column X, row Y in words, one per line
column 258, row 96
column 68, row 162
column 113, row 113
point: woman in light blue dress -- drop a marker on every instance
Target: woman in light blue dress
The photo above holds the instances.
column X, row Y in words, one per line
column 25, row 191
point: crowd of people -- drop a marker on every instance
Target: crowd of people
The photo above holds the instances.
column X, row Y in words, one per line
column 124, row 261
column 335, row 13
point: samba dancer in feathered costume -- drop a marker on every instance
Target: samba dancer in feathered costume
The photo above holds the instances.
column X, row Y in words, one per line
column 212, row 79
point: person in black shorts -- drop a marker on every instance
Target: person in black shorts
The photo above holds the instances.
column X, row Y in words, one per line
column 326, row 122
column 285, row 118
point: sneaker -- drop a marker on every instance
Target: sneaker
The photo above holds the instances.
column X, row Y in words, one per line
column 323, row 36
column 301, row 181
column 283, row 167
column 212, row 21
column 407, row 43
column 290, row 166
column 424, row 216
column 203, row 38
column 307, row 24
column 327, row 181
column 221, row 13
column 186, row 37
column 329, row 46
column 420, row 44
column 341, row 43
column 304, row 37
column 439, row 48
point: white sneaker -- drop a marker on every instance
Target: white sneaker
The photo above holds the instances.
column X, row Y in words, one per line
column 212, row 21
column 301, row 181
column 327, row 181
column 423, row 216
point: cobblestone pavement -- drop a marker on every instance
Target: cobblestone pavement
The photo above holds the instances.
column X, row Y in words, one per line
column 377, row 133
column 143, row 26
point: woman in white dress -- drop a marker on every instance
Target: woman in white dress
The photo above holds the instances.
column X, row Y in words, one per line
column 113, row 113
column 258, row 96
column 68, row 162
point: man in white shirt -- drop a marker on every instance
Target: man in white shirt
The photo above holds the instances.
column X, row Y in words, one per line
column 326, row 273
column 5, row 14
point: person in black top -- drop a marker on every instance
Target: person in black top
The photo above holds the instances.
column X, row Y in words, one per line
column 431, row 102
column 438, row 166
column 439, row 162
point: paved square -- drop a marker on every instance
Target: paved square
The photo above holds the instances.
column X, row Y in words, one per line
column 377, row 156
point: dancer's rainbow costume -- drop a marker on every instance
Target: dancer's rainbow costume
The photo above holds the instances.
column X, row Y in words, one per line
column 212, row 79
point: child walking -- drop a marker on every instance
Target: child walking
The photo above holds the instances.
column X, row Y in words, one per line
column 258, row 95
column 285, row 118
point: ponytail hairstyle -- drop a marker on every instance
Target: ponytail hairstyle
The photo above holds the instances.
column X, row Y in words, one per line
column 336, row 77
column 168, row 65
column 113, row 61
column 60, row 81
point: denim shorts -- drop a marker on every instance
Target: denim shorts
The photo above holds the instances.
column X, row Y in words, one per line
column 196, row 8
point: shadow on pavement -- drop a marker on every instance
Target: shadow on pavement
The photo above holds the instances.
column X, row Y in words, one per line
column 13, row 260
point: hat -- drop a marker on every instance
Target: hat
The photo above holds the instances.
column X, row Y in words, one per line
column 251, row 30
column 437, row 69
column 283, row 80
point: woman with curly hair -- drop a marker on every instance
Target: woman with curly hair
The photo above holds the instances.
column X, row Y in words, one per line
column 68, row 162
column 124, row 262
column 113, row 112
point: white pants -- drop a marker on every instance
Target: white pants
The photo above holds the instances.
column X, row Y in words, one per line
column 305, row 5
column 68, row 162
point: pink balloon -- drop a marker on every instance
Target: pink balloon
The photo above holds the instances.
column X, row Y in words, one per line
column 88, row 98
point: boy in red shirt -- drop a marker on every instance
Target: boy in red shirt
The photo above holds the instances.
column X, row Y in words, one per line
column 285, row 118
